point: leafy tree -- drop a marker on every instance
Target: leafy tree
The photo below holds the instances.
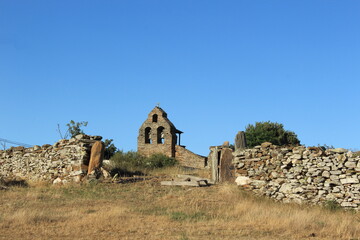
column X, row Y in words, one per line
column 269, row 132
column 74, row 128
column 110, row 148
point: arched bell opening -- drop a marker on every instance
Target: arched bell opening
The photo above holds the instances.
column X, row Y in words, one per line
column 160, row 135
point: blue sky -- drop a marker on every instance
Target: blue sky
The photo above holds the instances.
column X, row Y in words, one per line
column 214, row 67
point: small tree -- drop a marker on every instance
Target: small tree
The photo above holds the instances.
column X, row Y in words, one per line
column 269, row 132
column 110, row 148
column 74, row 128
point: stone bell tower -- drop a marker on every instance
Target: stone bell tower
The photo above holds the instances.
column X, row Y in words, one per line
column 158, row 135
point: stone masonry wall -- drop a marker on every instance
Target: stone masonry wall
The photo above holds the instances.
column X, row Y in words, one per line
column 188, row 158
column 151, row 149
column 300, row 174
column 66, row 159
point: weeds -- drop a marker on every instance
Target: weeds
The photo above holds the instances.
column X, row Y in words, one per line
column 332, row 205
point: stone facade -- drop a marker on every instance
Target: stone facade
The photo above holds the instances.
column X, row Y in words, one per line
column 300, row 174
column 66, row 160
column 159, row 135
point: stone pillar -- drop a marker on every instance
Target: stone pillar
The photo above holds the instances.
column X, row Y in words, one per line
column 227, row 170
column 96, row 157
column 214, row 163
column 240, row 140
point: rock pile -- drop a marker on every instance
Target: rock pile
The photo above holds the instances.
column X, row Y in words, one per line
column 66, row 160
column 301, row 174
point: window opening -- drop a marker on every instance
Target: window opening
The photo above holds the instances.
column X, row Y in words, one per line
column 155, row 118
column 148, row 135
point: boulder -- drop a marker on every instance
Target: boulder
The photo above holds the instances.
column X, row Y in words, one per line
column 241, row 180
column 266, row 144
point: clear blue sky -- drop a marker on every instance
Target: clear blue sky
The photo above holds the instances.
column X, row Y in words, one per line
column 214, row 66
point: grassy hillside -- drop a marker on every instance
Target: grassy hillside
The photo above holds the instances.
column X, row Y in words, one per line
column 146, row 210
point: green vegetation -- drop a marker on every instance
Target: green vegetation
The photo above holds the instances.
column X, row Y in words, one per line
column 332, row 205
column 269, row 132
column 110, row 149
column 74, row 128
column 128, row 163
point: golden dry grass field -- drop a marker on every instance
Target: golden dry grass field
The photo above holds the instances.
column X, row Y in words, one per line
column 146, row 210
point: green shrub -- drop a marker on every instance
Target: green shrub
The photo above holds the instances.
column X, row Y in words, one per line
column 332, row 205
column 159, row 161
column 130, row 163
column 269, row 132
column 110, row 148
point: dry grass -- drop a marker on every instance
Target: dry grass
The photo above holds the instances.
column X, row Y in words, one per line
column 146, row 210
column 174, row 170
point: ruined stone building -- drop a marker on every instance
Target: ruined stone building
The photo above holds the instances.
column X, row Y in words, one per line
column 159, row 135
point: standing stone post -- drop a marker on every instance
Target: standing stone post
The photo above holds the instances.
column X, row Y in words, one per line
column 240, row 140
column 96, row 156
column 227, row 170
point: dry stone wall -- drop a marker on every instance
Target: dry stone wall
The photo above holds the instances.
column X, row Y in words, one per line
column 66, row 160
column 300, row 174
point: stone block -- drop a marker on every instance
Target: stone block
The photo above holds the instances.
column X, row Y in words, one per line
column 241, row 180
column 286, row 188
column 240, row 140
column 350, row 165
column 96, row 156
column 349, row 180
column 266, row 144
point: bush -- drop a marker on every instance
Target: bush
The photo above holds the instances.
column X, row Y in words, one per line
column 159, row 161
column 110, row 149
column 129, row 163
column 332, row 205
column 269, row 132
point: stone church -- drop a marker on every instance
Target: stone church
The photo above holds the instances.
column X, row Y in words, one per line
column 159, row 135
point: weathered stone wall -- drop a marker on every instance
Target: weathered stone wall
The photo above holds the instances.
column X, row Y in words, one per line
column 188, row 158
column 66, row 160
column 150, row 149
column 301, row 174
